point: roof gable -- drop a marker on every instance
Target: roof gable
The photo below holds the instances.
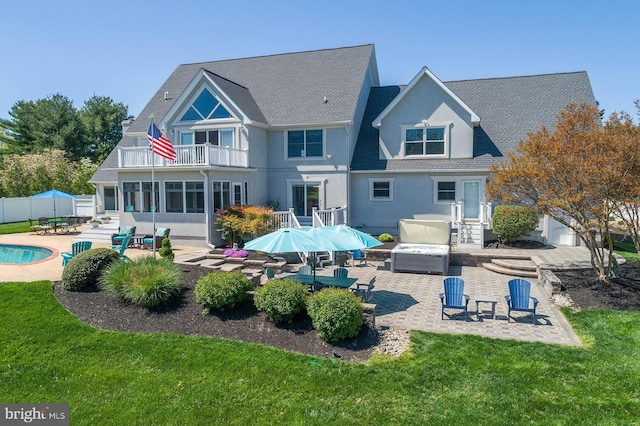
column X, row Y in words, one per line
column 510, row 107
column 424, row 73
column 279, row 90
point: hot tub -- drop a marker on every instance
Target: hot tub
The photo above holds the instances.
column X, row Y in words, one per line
column 424, row 247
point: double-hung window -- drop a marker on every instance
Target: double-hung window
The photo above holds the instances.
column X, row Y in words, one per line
column 305, row 143
column 446, row 191
column 424, row 141
column 380, row 189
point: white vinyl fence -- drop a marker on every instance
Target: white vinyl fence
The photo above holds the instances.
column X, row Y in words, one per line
column 25, row 208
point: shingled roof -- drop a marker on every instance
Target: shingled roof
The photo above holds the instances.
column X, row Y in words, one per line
column 278, row 90
column 508, row 109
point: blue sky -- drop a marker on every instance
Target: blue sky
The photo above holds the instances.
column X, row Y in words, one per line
column 126, row 49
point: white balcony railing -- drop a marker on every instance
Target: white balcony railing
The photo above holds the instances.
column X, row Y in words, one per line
column 187, row 155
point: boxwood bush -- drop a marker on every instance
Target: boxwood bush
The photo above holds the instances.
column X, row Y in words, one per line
column 513, row 222
column 222, row 290
column 281, row 299
column 335, row 313
column 385, row 238
column 84, row 269
column 147, row 281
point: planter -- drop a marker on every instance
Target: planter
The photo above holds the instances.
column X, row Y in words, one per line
column 94, row 224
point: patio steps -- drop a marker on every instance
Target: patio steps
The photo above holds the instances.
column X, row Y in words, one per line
column 513, row 267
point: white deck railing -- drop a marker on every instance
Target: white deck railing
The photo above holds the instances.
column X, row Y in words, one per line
column 484, row 217
column 335, row 216
column 187, row 155
column 285, row 219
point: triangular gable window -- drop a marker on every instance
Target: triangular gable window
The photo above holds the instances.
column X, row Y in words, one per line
column 206, row 106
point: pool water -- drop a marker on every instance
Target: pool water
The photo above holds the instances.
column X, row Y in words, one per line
column 17, row 254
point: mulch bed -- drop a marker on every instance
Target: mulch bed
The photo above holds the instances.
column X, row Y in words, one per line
column 583, row 287
column 587, row 292
column 104, row 310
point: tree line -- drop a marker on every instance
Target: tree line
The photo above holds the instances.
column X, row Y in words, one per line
column 584, row 174
column 48, row 143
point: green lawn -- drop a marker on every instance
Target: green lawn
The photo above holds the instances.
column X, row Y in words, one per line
column 626, row 250
column 48, row 356
column 15, row 227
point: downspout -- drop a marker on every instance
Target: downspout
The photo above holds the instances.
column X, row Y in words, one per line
column 348, row 218
column 206, row 203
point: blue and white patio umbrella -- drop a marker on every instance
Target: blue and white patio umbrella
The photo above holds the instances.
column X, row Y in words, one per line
column 53, row 193
column 286, row 240
column 292, row 240
column 345, row 237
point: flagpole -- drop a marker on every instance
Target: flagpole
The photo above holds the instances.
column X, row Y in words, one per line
column 153, row 198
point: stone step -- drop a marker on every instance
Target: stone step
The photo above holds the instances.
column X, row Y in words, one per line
column 522, row 264
column 509, row 271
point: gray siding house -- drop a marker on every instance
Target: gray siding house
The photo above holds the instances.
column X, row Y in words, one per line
column 314, row 134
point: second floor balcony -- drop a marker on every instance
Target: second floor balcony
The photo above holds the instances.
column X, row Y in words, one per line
column 187, row 155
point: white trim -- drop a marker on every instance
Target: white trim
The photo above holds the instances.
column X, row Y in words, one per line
column 429, row 171
column 447, row 138
column 424, row 72
column 305, row 158
column 439, row 179
column 202, row 77
column 372, row 181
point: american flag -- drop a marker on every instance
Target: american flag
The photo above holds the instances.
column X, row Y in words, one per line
column 159, row 144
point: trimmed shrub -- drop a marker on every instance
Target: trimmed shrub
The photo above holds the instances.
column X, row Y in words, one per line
column 281, row 299
column 146, row 281
column 335, row 313
column 165, row 251
column 84, row 269
column 222, row 290
column 385, row 238
column 513, row 222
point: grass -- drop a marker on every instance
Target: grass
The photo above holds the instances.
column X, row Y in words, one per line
column 15, row 227
column 47, row 355
column 626, row 250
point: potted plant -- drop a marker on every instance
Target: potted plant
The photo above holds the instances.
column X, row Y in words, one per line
column 94, row 223
column 105, row 219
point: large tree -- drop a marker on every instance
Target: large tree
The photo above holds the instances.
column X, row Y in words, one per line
column 54, row 123
column 624, row 134
column 101, row 118
column 50, row 123
column 567, row 173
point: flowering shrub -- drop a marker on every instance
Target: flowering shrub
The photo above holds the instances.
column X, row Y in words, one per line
column 236, row 253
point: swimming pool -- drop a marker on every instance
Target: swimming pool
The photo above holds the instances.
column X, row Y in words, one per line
column 19, row 254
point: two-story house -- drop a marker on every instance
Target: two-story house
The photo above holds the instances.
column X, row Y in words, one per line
column 314, row 131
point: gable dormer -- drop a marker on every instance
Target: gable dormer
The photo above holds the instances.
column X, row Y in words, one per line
column 426, row 120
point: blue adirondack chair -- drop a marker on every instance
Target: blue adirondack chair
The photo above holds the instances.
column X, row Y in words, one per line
column 453, row 296
column 76, row 248
column 359, row 255
column 519, row 298
column 122, row 247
